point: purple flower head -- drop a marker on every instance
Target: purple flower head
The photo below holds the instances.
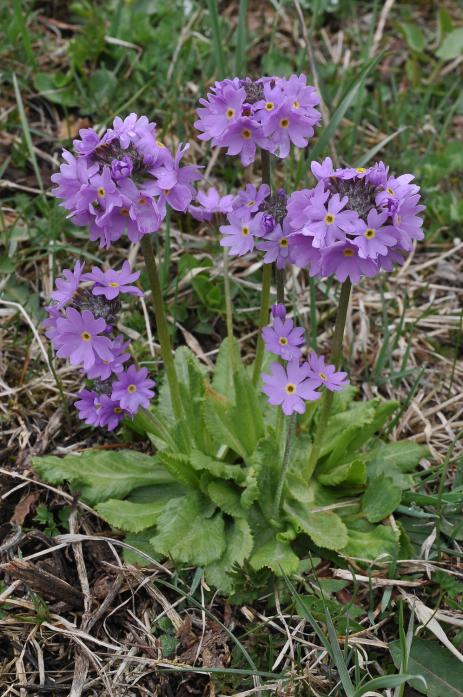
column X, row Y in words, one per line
column 73, row 175
column 110, row 283
column 49, row 324
column 343, row 261
column 328, row 222
column 373, row 238
column 289, row 387
column 303, row 254
column 211, row 202
column 326, row 374
column 88, row 143
column 79, row 338
column 67, row 285
column 251, row 198
column 283, row 338
column 111, row 412
column 120, row 169
column 174, row 183
column 242, row 138
column 102, row 370
column 239, row 235
column 222, row 107
column 132, row 389
column 276, row 245
column 89, row 407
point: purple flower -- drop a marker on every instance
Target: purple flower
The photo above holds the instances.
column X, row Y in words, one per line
column 326, row 374
column 283, row 338
column 111, row 412
column 276, row 245
column 120, row 169
column 49, row 324
column 73, row 175
column 407, row 222
column 287, row 125
column 289, row 386
column 102, row 370
column 78, row 338
column 342, row 260
column 210, row 202
column 250, row 198
column 67, row 285
column 221, row 108
column 279, row 310
column 372, row 238
column 110, row 283
column 302, row 253
column 88, row 143
column 328, row 223
column 89, row 407
column 132, row 389
column 242, row 138
column 239, row 234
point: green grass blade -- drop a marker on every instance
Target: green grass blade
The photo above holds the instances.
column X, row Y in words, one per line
column 217, row 37
column 24, row 31
column 362, row 161
column 240, row 57
column 338, row 657
column 347, row 100
column 27, row 133
column 386, row 682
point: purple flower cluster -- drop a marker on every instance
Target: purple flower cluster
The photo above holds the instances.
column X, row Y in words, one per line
column 270, row 113
column 291, row 386
column 122, row 181
column 81, row 326
column 354, row 222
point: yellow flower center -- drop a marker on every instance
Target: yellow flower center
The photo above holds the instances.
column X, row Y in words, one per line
column 329, row 218
column 250, row 204
column 166, row 192
column 360, row 170
column 283, row 242
column 85, row 336
column 101, row 192
column 159, row 144
column 290, row 388
column 369, row 234
column 245, row 230
column 113, row 284
column 132, row 388
column 323, row 376
column 348, row 252
column 283, row 341
column 124, row 212
column 398, row 219
column 390, row 191
column 117, row 410
column 142, row 201
column 296, row 104
column 246, row 133
column 284, row 123
column 230, row 113
column 269, row 106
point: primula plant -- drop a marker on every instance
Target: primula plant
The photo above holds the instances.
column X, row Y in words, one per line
column 255, row 465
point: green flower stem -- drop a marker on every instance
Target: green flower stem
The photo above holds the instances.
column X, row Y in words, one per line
column 327, row 399
column 161, row 324
column 266, row 283
column 280, row 284
column 290, row 431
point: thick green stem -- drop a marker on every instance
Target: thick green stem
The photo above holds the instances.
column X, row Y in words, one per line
column 266, row 283
column 335, row 357
column 161, row 324
column 280, row 284
column 291, row 421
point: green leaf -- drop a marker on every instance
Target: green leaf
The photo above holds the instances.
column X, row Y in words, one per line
column 452, row 45
column 239, row 544
column 394, row 460
column 200, row 461
column 102, row 474
column 413, row 36
column 226, row 498
column 380, row 499
column 353, row 472
column 223, row 371
column 246, row 415
column 187, row 535
column 342, row 428
column 298, row 489
column 277, row 556
column 383, row 410
column 141, row 541
column 324, row 527
column 367, row 541
column 251, row 491
column 442, row 671
column 130, row 516
column 266, row 461
column 179, row 466
column 387, row 682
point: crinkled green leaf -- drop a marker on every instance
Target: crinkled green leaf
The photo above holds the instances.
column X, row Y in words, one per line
column 102, row 474
column 343, row 427
column 395, row 460
column 251, row 491
column 277, row 556
column 383, row 411
column 238, row 548
column 130, row 516
column 179, row 466
column 380, row 499
column 442, row 671
column 226, row 497
column 298, row 489
column 324, row 527
column 200, row 461
column 350, row 473
column 223, row 372
column 218, row 421
column 185, row 534
column 367, row 541
column 246, row 415
column 266, row 461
